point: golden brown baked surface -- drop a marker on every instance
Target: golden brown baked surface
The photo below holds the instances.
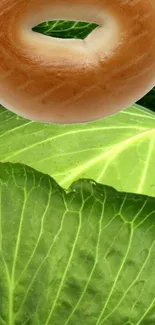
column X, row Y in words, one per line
column 67, row 81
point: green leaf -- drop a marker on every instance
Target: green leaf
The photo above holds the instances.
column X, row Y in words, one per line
column 65, row 29
column 83, row 257
column 118, row 151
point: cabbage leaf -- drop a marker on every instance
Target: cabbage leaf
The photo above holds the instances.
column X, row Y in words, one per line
column 85, row 256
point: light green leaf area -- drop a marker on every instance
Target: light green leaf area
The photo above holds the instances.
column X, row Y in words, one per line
column 82, row 257
column 118, row 150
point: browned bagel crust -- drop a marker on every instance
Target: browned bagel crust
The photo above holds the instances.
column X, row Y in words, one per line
column 67, row 81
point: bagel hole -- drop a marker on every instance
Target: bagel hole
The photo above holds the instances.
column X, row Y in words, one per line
column 65, row 29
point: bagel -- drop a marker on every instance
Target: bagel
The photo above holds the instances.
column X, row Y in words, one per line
column 72, row 80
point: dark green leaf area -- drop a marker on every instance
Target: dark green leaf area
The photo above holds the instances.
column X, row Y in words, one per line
column 65, row 29
column 82, row 257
